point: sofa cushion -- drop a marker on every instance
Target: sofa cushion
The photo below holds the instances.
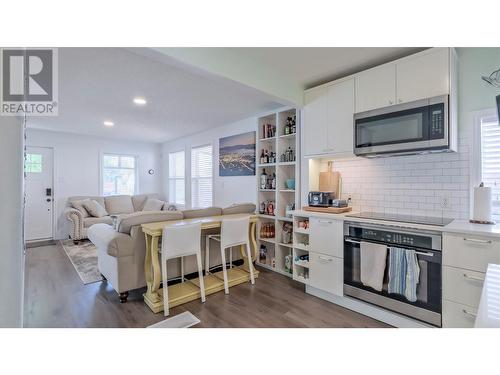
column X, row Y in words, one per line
column 139, row 200
column 87, row 222
column 202, row 212
column 153, row 205
column 119, row 204
column 99, row 200
column 239, row 208
column 78, row 205
column 94, row 208
column 126, row 222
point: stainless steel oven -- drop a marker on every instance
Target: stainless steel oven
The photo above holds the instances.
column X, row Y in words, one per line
column 415, row 127
column 427, row 246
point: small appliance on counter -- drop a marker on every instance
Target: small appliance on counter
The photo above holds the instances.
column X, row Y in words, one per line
column 321, row 198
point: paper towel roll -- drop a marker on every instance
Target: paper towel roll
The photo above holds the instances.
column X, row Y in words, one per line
column 482, row 204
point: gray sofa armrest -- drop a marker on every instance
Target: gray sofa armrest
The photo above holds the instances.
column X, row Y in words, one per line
column 75, row 217
column 108, row 240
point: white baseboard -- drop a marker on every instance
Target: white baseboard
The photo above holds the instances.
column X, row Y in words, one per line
column 393, row 319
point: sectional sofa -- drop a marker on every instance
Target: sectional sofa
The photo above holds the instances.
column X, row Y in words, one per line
column 121, row 246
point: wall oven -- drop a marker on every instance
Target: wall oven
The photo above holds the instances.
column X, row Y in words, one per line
column 415, row 127
column 427, row 247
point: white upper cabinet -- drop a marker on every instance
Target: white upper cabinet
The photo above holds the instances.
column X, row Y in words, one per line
column 340, row 117
column 314, row 121
column 376, row 88
column 328, row 119
column 423, row 76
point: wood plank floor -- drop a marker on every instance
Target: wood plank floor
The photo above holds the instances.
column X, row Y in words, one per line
column 56, row 297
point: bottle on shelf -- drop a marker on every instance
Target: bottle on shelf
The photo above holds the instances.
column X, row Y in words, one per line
column 263, row 179
column 273, row 181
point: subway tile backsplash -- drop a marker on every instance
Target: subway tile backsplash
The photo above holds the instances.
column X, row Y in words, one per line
column 432, row 185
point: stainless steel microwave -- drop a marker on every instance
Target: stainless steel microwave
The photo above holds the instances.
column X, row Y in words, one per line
column 421, row 126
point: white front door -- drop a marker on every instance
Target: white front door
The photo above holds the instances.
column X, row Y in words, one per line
column 39, row 169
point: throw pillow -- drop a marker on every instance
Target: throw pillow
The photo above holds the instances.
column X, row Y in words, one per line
column 95, row 209
column 78, row 205
column 153, row 205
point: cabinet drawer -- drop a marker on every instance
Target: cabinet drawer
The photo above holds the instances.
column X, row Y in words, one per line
column 470, row 252
column 456, row 315
column 326, row 236
column 326, row 273
column 462, row 286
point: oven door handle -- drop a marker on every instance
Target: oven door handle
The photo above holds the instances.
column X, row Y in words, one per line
column 427, row 254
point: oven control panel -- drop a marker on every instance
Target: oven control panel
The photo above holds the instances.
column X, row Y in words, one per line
column 389, row 237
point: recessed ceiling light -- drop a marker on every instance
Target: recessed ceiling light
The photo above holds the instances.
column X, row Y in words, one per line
column 140, row 101
column 109, row 123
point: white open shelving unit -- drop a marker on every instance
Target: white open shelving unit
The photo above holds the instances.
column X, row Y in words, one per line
column 276, row 249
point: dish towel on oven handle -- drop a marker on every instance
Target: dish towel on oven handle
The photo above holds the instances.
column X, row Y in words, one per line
column 404, row 273
column 397, row 270
column 412, row 275
column 373, row 260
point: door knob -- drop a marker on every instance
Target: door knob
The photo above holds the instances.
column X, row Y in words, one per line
column 49, row 200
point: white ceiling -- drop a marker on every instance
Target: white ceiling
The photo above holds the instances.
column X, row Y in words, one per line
column 313, row 66
column 98, row 84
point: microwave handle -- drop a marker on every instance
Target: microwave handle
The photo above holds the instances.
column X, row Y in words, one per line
column 427, row 254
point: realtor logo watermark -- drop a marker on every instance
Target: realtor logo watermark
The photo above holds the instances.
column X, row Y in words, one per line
column 29, row 82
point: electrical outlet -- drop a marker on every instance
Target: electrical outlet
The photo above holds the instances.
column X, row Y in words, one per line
column 445, row 202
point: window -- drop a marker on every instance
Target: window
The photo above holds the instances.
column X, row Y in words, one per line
column 490, row 159
column 33, row 163
column 119, row 174
column 201, row 176
column 176, row 178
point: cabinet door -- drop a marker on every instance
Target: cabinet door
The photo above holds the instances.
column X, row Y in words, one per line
column 423, row 76
column 340, row 112
column 326, row 236
column 326, row 273
column 456, row 315
column 376, row 88
column 314, row 126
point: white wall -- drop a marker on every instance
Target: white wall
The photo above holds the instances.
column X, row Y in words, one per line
column 11, row 244
column 227, row 190
column 77, row 166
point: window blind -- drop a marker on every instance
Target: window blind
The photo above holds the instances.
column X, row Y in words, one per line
column 490, row 160
column 176, row 177
column 201, row 176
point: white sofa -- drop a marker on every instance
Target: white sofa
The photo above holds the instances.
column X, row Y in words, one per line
column 121, row 249
column 80, row 220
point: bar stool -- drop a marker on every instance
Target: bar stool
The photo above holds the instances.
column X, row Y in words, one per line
column 234, row 232
column 177, row 242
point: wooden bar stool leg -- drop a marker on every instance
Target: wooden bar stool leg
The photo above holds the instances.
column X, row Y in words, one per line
column 207, row 255
column 200, row 276
column 224, row 271
column 250, row 263
column 165, row 288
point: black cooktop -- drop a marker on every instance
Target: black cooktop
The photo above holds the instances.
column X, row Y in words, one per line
column 426, row 220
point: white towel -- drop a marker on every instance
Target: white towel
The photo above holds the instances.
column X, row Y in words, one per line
column 412, row 276
column 373, row 260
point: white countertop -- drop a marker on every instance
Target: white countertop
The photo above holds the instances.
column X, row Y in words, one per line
column 488, row 314
column 456, row 226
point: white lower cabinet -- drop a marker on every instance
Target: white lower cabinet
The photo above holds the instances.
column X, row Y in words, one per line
column 456, row 315
column 326, row 273
column 327, row 236
column 465, row 260
column 462, row 286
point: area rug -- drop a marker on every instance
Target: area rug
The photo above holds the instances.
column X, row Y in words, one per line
column 182, row 320
column 84, row 258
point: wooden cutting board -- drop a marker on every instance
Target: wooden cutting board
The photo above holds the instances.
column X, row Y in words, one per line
column 330, row 181
column 327, row 210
